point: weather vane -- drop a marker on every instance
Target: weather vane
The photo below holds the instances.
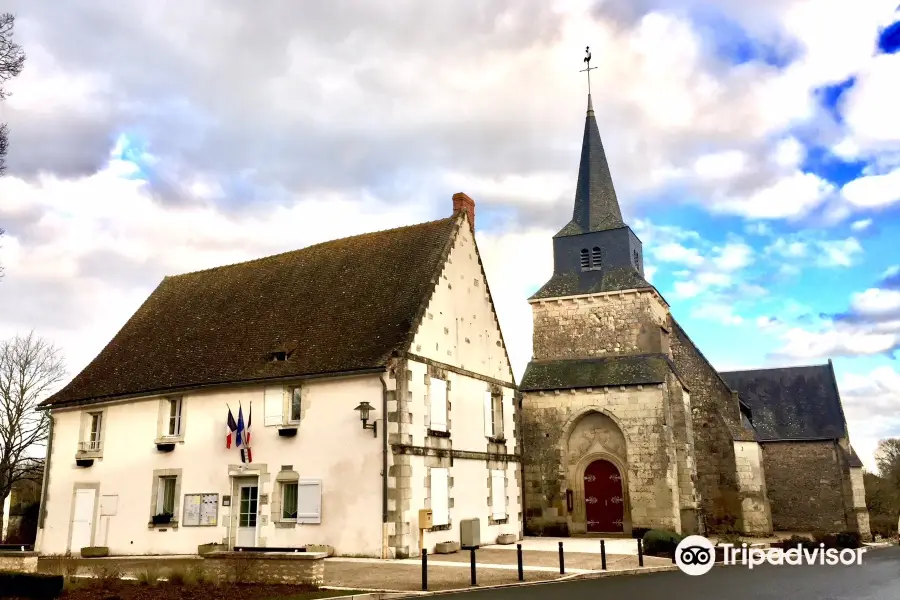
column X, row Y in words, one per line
column 588, row 68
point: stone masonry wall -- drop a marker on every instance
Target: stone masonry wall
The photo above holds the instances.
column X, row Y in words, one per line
column 651, row 472
column 857, row 484
column 805, row 486
column 711, row 404
column 679, row 405
column 267, row 567
column 755, row 509
column 22, row 562
column 616, row 323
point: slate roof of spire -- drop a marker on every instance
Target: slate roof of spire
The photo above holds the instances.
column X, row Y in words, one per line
column 339, row 306
column 596, row 205
column 791, row 403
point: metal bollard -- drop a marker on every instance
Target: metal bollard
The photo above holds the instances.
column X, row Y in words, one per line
column 562, row 561
column 424, row 570
column 519, row 557
column 640, row 553
column 603, row 554
column 472, row 563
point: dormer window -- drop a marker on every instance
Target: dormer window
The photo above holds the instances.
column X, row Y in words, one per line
column 278, row 356
column 585, row 260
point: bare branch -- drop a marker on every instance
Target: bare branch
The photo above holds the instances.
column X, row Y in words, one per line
column 12, row 61
column 29, row 368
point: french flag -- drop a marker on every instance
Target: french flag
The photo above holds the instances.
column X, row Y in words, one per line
column 232, row 427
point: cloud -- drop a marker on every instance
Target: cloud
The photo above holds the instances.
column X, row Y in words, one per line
column 808, row 248
column 861, row 225
column 872, row 408
column 873, row 191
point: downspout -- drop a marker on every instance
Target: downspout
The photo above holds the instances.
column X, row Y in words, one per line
column 45, row 479
column 384, row 468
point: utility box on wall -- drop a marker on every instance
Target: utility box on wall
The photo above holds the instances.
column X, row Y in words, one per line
column 425, row 518
column 470, row 533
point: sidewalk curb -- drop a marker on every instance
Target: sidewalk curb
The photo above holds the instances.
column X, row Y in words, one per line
column 394, row 595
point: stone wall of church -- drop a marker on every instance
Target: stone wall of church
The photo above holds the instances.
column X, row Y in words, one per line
column 857, row 485
column 755, row 510
column 712, row 404
column 805, row 486
column 614, row 323
column 558, row 443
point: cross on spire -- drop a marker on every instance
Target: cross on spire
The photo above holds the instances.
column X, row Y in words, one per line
column 588, row 68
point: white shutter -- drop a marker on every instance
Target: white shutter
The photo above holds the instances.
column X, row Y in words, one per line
column 438, row 398
column 440, row 497
column 309, row 501
column 274, row 406
column 498, row 494
column 488, row 415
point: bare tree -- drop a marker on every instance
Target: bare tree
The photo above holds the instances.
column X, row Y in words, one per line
column 29, row 367
column 12, row 61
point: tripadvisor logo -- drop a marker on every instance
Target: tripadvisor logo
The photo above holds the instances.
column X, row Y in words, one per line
column 695, row 555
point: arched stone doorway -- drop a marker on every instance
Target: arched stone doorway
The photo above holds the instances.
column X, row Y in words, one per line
column 604, row 498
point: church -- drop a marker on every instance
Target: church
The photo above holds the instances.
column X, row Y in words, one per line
column 627, row 426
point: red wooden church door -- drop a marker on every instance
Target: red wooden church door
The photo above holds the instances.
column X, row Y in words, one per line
column 603, row 498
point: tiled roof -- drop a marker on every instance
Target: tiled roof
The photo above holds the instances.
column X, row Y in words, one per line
column 791, row 403
column 338, row 306
column 596, row 204
column 578, row 373
column 594, row 282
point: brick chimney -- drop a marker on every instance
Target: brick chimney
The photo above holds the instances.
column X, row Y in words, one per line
column 462, row 202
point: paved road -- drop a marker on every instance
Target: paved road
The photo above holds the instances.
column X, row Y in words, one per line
column 878, row 578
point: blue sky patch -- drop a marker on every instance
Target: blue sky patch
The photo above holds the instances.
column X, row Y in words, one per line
column 820, row 161
column 889, row 40
column 734, row 44
column 829, row 97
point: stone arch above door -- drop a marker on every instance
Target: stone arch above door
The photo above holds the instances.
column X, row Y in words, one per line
column 594, row 432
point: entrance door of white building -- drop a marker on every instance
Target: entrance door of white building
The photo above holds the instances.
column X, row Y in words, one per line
column 248, row 509
column 82, row 519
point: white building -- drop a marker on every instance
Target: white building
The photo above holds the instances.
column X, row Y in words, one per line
column 402, row 320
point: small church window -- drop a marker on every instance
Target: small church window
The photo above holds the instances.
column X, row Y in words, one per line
column 585, row 259
column 596, row 258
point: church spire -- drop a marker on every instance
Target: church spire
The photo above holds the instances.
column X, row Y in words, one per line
column 596, row 205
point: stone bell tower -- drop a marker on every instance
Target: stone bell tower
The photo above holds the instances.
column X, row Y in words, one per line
column 606, row 419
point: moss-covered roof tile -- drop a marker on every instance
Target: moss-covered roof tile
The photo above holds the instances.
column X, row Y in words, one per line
column 643, row 369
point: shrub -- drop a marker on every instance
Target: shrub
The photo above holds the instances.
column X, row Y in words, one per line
column 660, row 542
column 108, row 574
column 729, row 538
column 828, row 539
column 177, row 576
column 794, row 541
column 639, row 532
column 149, row 576
column 848, row 539
column 30, row 585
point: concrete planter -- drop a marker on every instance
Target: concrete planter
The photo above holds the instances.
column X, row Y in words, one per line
column 203, row 549
column 325, row 548
column 446, row 547
column 506, row 538
column 94, row 552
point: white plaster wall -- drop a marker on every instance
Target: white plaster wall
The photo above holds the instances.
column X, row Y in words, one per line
column 330, row 445
column 459, row 327
column 755, row 507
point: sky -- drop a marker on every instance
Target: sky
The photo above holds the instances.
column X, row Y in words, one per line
column 755, row 149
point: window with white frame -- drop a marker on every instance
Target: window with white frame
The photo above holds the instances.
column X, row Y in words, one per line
column 493, row 415
column 498, row 494
column 289, row 501
column 294, row 410
column 437, row 399
column 93, row 432
column 165, row 497
column 439, row 494
column 174, row 420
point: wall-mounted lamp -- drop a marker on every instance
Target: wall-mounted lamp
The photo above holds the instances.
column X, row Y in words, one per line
column 364, row 409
